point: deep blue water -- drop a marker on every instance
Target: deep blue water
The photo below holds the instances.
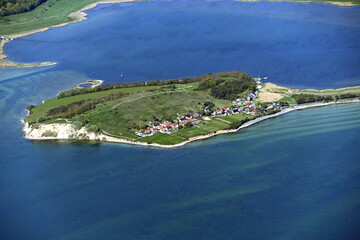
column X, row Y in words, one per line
column 295, row 44
column 293, row 177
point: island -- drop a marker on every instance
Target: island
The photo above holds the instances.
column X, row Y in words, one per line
column 172, row 112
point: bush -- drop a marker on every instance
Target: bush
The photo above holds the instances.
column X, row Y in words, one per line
column 30, row 108
column 237, row 124
column 77, row 125
column 188, row 125
column 49, row 133
column 93, row 128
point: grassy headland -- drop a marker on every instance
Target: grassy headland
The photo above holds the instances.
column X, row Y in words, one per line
column 173, row 111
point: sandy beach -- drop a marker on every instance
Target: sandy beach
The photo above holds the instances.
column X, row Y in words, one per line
column 66, row 131
column 271, row 92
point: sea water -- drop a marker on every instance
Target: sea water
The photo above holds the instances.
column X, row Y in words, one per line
column 293, row 177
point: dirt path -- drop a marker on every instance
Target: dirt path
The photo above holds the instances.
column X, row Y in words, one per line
column 222, row 120
column 131, row 100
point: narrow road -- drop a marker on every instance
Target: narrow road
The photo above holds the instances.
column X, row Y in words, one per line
column 131, row 100
column 222, row 120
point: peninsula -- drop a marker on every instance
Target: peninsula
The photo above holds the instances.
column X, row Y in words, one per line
column 170, row 113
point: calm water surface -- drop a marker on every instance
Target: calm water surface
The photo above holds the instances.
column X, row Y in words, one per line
column 293, row 177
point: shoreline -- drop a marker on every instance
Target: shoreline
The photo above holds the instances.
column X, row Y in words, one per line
column 89, row 136
column 78, row 17
column 94, row 83
column 338, row 4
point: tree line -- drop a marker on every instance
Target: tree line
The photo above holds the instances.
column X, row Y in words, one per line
column 308, row 98
column 71, row 109
column 79, row 107
column 9, row 7
column 117, row 85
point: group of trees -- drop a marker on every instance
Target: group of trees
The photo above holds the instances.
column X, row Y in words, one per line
column 9, row 7
column 209, row 105
column 347, row 96
column 80, row 107
column 209, row 83
column 227, row 85
column 71, row 109
column 237, row 124
column 231, row 89
column 308, row 98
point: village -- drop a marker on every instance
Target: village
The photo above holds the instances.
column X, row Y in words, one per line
column 239, row 105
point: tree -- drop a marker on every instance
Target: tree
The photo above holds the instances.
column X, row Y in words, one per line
column 9, row 7
column 77, row 125
column 142, row 124
column 188, row 125
column 209, row 104
column 93, row 128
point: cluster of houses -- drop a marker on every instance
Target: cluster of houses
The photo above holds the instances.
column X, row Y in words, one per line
column 169, row 127
column 164, row 127
column 238, row 106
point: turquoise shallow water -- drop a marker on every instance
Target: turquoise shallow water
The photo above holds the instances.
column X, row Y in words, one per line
column 293, row 177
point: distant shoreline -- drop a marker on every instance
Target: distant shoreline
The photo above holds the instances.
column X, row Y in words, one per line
column 81, row 16
column 68, row 130
column 78, row 16
column 338, row 4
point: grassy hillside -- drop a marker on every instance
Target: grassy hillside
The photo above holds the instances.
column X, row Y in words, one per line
column 191, row 106
column 136, row 106
column 47, row 16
